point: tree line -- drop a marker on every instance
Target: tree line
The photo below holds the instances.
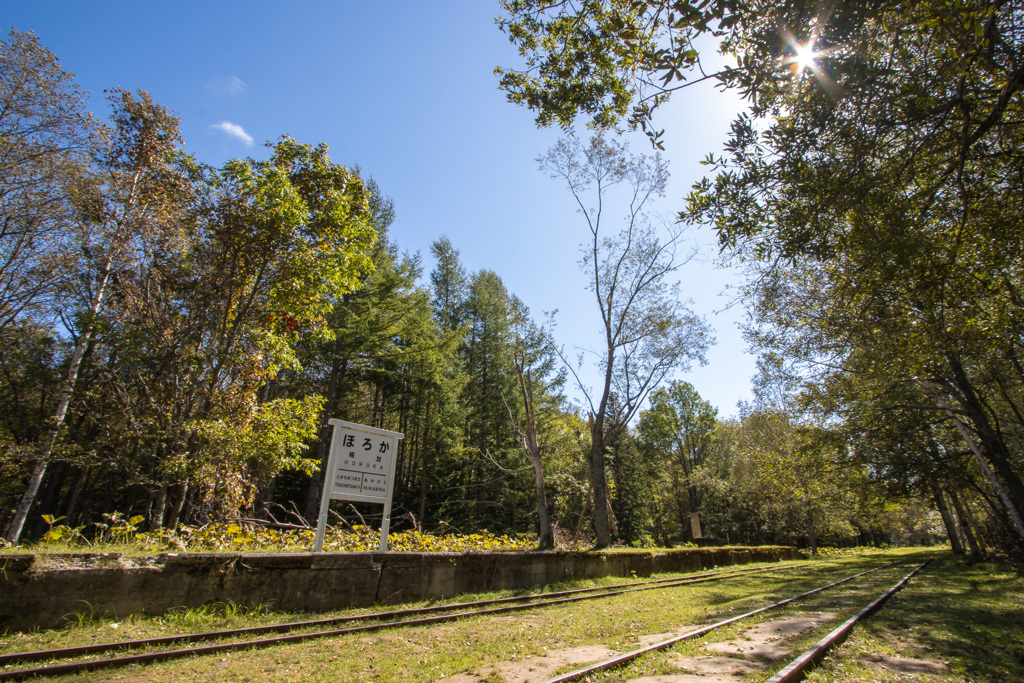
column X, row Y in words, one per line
column 872, row 192
column 176, row 337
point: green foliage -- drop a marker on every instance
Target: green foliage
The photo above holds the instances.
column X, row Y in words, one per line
column 221, row 316
column 873, row 191
column 113, row 530
column 304, row 225
column 604, row 59
column 676, row 431
column 634, row 491
column 45, row 134
column 876, row 200
column 116, row 532
column 248, row 449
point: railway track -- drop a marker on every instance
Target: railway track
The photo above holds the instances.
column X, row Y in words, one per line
column 321, row 628
column 798, row 668
column 791, row 673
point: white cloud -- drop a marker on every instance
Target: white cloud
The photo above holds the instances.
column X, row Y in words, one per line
column 227, row 85
column 234, row 130
column 235, row 85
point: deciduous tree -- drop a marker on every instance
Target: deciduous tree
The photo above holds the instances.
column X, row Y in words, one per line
column 647, row 331
column 45, row 138
column 126, row 202
column 678, row 427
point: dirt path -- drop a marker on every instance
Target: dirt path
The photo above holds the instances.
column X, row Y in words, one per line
column 724, row 662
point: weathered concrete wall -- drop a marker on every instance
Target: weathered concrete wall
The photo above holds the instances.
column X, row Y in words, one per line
column 39, row 591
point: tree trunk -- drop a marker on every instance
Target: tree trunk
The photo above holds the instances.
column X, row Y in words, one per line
column 682, row 513
column 587, row 502
column 71, row 504
column 531, row 446
column 156, row 521
column 1008, row 495
column 965, row 527
column 599, row 487
column 947, row 519
column 812, row 540
column 424, row 466
column 178, row 493
column 990, row 448
column 81, row 346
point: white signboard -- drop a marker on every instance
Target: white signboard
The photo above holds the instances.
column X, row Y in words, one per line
column 695, row 526
column 360, row 467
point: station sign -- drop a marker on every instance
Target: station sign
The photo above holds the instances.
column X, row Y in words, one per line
column 360, row 468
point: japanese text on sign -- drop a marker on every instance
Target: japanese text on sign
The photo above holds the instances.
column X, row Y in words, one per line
column 360, row 467
column 363, row 464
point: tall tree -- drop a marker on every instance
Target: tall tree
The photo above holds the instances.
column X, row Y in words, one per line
column 45, row 137
column 449, row 284
column 534, row 362
column 128, row 200
column 647, row 332
column 365, row 324
column 275, row 243
column 488, row 358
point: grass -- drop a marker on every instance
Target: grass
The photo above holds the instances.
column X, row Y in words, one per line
column 955, row 622
column 430, row 654
column 966, row 617
column 842, row 602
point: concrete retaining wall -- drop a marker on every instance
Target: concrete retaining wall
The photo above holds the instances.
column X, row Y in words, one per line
column 40, row 591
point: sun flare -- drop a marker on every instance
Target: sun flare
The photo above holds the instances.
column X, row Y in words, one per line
column 803, row 58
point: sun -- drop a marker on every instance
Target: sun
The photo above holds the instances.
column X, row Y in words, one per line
column 803, row 58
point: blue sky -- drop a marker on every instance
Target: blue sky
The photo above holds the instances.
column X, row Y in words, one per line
column 406, row 91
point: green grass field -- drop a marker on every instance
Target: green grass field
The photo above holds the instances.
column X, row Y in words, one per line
column 953, row 622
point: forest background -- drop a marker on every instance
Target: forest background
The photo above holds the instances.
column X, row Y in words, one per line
column 177, row 334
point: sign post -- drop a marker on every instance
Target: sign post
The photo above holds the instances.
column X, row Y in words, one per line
column 360, row 467
column 695, row 526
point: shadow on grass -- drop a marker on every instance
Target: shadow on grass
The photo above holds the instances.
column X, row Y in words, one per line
column 971, row 616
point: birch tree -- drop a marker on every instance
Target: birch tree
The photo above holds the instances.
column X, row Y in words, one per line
column 647, row 331
column 45, row 134
column 127, row 201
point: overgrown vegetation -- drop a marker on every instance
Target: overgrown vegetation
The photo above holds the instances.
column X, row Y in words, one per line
column 871, row 193
column 953, row 615
column 175, row 337
column 116, row 534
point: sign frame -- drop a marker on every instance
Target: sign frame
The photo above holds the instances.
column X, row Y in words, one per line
column 349, row 477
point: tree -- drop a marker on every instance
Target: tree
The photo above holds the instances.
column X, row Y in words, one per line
column 366, row 324
column 488, row 354
column 678, row 426
column 249, row 450
column 127, row 200
column 534, row 363
column 197, row 332
column 449, row 284
column 45, row 136
column 924, row 279
column 647, row 331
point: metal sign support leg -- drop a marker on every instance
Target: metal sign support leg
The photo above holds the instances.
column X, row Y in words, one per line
column 321, row 522
column 385, row 526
